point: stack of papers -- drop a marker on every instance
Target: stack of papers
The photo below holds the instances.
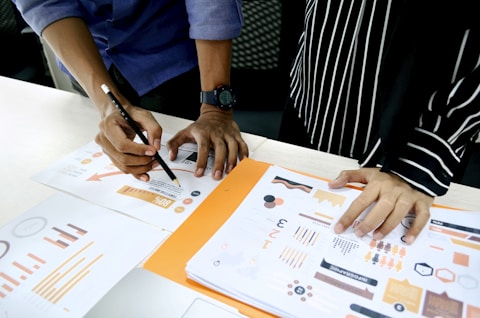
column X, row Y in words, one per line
column 59, row 258
column 278, row 252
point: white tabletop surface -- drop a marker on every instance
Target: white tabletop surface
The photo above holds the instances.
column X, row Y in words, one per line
column 39, row 125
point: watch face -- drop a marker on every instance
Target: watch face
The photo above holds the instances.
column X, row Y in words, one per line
column 222, row 96
column 225, row 97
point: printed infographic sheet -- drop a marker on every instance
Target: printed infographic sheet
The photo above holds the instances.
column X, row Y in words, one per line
column 89, row 174
column 278, row 252
column 59, row 258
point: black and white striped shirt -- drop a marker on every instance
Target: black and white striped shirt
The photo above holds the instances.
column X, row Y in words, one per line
column 338, row 90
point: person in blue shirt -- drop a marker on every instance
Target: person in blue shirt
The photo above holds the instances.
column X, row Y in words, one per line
column 154, row 56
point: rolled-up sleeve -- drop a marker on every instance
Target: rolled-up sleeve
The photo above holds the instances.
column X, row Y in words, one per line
column 40, row 14
column 214, row 19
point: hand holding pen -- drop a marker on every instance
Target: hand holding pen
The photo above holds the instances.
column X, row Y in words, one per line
column 129, row 120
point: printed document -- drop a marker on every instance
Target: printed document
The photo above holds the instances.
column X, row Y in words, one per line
column 89, row 174
column 278, row 252
column 60, row 257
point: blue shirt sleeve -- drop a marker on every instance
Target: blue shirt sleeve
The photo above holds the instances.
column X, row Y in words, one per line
column 214, row 19
column 149, row 41
column 40, row 14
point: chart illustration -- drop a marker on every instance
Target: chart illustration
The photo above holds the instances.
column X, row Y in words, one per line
column 298, row 256
column 89, row 174
column 53, row 254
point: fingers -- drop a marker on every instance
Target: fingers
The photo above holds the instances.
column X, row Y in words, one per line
column 360, row 204
column 116, row 139
column 217, row 131
column 224, row 149
column 389, row 198
column 346, row 176
column 220, row 150
column 237, row 150
column 180, row 138
column 422, row 211
column 399, row 205
column 134, row 163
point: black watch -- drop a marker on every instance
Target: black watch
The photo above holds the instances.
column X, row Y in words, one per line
column 223, row 96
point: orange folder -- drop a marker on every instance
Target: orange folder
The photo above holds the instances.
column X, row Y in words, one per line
column 172, row 256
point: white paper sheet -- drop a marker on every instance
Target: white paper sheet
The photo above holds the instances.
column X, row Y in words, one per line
column 278, row 252
column 89, row 174
column 59, row 258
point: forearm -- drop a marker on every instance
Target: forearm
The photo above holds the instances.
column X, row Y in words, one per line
column 73, row 44
column 214, row 59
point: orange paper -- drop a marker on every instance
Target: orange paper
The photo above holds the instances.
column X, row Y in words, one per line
column 172, row 256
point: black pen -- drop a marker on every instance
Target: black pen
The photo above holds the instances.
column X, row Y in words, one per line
column 137, row 130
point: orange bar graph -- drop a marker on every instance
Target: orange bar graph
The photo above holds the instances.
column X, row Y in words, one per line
column 79, row 231
column 74, row 280
column 23, row 268
column 57, row 243
column 10, row 279
column 56, row 270
column 66, row 276
column 35, row 257
column 8, row 288
column 66, row 235
column 447, row 232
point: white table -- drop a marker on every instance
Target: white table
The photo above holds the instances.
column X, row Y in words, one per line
column 40, row 124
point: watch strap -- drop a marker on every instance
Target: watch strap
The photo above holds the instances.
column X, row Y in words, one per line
column 208, row 98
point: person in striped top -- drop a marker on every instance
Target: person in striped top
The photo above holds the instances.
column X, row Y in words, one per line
column 396, row 85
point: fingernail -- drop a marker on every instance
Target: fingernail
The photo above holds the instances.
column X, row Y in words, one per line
column 156, row 143
column 199, row 172
column 410, row 239
column 338, row 228
column 378, row 236
column 149, row 153
column 155, row 164
column 359, row 233
column 218, row 175
column 144, row 178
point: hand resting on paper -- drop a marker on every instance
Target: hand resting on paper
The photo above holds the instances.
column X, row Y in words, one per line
column 394, row 199
column 212, row 130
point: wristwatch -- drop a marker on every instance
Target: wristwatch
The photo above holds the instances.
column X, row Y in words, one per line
column 223, row 96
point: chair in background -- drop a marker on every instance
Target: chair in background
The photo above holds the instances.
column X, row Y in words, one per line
column 261, row 59
column 256, row 70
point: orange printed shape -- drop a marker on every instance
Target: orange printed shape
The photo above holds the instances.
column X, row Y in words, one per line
column 461, row 259
column 473, row 311
column 404, row 293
